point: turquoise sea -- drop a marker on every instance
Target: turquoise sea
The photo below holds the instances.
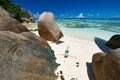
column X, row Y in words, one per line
column 88, row 28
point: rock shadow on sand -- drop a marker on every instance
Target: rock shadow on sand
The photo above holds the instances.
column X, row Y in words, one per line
column 101, row 43
column 58, row 42
column 90, row 71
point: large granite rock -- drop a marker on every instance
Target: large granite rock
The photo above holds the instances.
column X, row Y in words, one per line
column 114, row 42
column 47, row 27
column 107, row 66
column 36, row 38
column 27, row 17
column 24, row 59
column 8, row 23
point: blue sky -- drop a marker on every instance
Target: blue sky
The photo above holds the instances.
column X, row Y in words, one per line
column 73, row 8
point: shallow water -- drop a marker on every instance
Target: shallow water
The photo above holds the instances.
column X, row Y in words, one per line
column 88, row 28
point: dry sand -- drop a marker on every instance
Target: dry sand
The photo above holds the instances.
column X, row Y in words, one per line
column 77, row 66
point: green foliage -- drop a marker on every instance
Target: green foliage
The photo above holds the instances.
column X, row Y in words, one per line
column 14, row 9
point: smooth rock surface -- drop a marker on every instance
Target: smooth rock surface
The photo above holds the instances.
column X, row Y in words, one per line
column 24, row 59
column 8, row 23
column 114, row 42
column 36, row 38
column 27, row 17
column 47, row 27
column 107, row 66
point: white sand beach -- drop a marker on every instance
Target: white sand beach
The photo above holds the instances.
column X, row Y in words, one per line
column 81, row 51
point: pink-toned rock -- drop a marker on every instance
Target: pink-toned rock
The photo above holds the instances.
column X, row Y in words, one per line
column 47, row 27
column 107, row 66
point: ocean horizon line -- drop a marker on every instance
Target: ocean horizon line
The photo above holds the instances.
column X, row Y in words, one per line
column 85, row 18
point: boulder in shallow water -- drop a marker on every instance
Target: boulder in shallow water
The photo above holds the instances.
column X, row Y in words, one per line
column 114, row 42
column 23, row 59
column 107, row 66
column 47, row 27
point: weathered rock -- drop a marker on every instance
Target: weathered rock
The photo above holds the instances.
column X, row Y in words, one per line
column 114, row 42
column 47, row 27
column 107, row 66
column 8, row 23
column 36, row 38
column 27, row 17
column 23, row 59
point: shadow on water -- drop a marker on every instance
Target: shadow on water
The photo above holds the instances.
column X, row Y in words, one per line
column 101, row 44
column 90, row 71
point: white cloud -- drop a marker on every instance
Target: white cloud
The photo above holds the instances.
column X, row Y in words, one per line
column 71, row 17
column 81, row 15
column 91, row 14
column 36, row 15
column 97, row 14
column 88, row 15
column 62, row 15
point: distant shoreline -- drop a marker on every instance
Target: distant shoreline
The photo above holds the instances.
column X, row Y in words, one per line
column 87, row 18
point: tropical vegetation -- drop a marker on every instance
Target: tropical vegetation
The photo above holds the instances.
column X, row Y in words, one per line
column 14, row 9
